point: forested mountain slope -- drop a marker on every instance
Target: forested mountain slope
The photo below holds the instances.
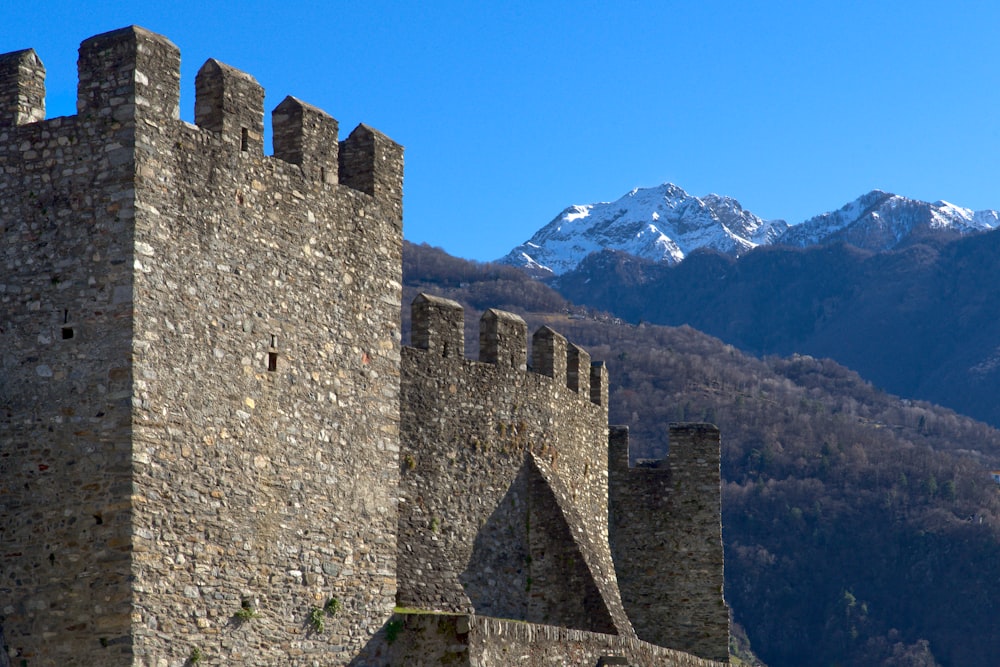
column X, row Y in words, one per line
column 922, row 321
column 860, row 529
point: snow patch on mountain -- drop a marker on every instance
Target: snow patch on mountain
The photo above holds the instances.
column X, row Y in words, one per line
column 663, row 224
column 881, row 220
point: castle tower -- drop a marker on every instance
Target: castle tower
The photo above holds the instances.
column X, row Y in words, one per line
column 199, row 384
column 666, row 538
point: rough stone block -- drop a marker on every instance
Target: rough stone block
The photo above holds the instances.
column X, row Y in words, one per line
column 503, row 339
column 22, row 88
column 438, row 325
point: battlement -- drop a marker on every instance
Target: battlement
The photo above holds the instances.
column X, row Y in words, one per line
column 132, row 73
column 209, row 413
column 231, row 104
column 679, row 605
column 438, row 327
column 694, row 446
column 507, row 462
column 126, row 73
column 22, row 88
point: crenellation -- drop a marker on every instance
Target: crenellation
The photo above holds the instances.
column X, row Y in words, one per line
column 306, row 136
column 503, row 339
column 230, row 103
column 371, row 162
column 578, row 370
column 548, row 354
column 438, row 326
column 599, row 383
column 207, row 405
column 127, row 72
column 22, row 88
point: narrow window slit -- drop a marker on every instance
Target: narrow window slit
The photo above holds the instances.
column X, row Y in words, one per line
column 322, row 174
column 244, row 139
column 272, row 354
column 67, row 329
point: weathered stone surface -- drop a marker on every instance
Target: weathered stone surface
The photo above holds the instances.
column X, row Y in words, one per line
column 474, row 437
column 200, row 383
column 428, row 640
column 667, row 513
column 22, row 88
column 202, row 396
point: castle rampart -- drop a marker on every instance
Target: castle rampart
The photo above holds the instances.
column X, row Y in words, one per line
column 679, row 603
column 494, row 454
column 430, row 640
column 209, row 431
column 22, row 88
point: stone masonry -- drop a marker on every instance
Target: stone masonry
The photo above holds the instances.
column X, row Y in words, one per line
column 214, row 449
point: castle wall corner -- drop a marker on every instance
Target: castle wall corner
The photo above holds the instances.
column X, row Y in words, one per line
column 127, row 72
column 669, row 512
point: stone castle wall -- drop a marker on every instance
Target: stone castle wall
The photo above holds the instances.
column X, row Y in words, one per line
column 267, row 352
column 504, row 475
column 667, row 513
column 205, row 410
column 221, row 428
column 428, row 640
column 67, row 219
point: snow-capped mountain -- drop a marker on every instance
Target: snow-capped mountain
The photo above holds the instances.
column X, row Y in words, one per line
column 881, row 220
column 665, row 224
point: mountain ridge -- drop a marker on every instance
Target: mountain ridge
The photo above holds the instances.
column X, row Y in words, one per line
column 665, row 224
column 919, row 320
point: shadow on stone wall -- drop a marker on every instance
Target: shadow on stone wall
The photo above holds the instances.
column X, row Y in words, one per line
column 525, row 564
column 4, row 655
column 497, row 578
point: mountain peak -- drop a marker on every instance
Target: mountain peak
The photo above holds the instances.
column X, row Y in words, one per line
column 664, row 224
column 880, row 220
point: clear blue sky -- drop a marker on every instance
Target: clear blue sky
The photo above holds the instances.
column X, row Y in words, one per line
column 511, row 111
